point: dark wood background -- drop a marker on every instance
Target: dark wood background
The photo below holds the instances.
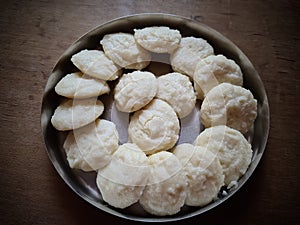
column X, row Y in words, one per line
column 35, row 33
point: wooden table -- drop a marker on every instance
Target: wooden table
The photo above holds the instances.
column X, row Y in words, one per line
column 35, row 33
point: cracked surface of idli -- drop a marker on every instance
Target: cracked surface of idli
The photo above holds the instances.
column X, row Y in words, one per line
column 76, row 113
column 91, row 147
column 231, row 105
column 96, row 64
column 203, row 171
column 190, row 51
column 166, row 190
column 178, row 91
column 78, row 85
column 155, row 127
column 231, row 147
column 158, row 39
column 123, row 180
column 135, row 90
column 124, row 51
column 213, row 70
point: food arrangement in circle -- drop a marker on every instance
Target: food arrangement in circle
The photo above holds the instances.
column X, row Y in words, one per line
column 151, row 168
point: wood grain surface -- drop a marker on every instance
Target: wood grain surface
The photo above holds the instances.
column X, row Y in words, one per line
column 35, row 33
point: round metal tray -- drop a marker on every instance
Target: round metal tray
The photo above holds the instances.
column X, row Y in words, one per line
column 83, row 183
